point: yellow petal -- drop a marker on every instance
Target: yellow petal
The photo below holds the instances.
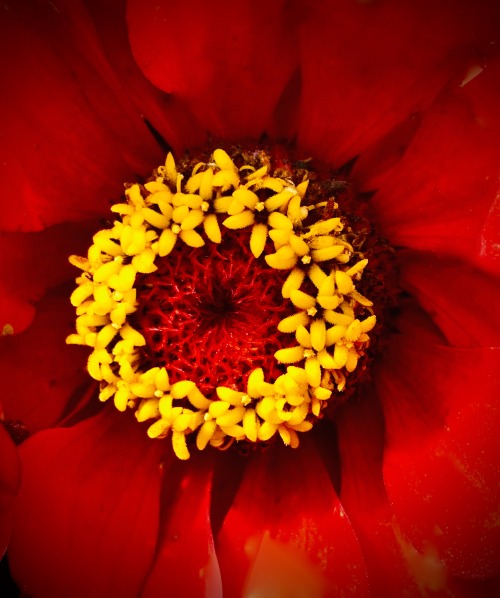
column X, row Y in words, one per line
column 192, row 238
column 223, row 161
column 258, row 239
column 318, row 334
column 290, row 355
column 291, row 323
column 246, row 218
column 328, row 253
column 279, row 221
column 166, row 242
column 302, row 300
column 212, row 229
column 293, row 281
column 343, row 282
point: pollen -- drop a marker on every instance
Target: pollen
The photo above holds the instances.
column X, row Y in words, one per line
column 223, row 367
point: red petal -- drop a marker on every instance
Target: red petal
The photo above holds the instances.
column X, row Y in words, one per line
column 365, row 68
column 166, row 113
column 287, row 533
column 229, row 62
column 361, row 438
column 460, row 299
column 39, row 373
column 186, row 563
column 10, row 476
column 86, row 519
column 441, row 463
column 33, row 263
column 69, row 136
column 442, row 195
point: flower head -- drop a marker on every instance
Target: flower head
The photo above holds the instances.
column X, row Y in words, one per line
column 396, row 489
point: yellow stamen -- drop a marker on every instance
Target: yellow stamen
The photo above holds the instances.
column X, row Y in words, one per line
column 320, row 292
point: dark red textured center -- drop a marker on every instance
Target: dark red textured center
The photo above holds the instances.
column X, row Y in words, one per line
column 210, row 314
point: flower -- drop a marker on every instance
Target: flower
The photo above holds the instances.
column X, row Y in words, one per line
column 398, row 494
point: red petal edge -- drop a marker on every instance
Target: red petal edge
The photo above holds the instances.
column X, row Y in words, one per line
column 39, row 374
column 230, row 62
column 186, row 563
column 441, row 464
column 365, row 70
column 86, row 519
column 442, row 195
column 287, row 533
column 70, row 137
column 10, row 477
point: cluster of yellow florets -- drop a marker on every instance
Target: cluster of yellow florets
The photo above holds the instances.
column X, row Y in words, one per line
column 165, row 211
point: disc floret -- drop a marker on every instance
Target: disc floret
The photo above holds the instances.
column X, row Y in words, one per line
column 329, row 319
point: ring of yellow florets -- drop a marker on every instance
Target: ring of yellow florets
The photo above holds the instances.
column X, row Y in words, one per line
column 330, row 338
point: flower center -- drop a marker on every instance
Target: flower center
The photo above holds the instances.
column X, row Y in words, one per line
column 211, row 314
column 222, row 303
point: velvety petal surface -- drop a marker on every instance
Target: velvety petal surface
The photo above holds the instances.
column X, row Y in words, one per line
column 86, row 519
column 33, row 263
column 395, row 568
column 169, row 116
column 365, row 69
column 40, row 376
column 186, row 563
column 70, row 138
column 230, row 62
column 461, row 300
column 442, row 195
column 10, row 477
column 441, row 464
column 286, row 532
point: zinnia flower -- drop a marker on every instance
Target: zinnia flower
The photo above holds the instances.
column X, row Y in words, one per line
column 395, row 489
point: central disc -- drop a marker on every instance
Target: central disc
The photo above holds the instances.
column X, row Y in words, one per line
column 210, row 314
column 223, row 301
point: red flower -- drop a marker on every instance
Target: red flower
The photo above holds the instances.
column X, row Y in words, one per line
column 398, row 495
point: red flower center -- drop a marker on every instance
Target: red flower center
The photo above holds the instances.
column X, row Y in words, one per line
column 227, row 300
column 211, row 314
